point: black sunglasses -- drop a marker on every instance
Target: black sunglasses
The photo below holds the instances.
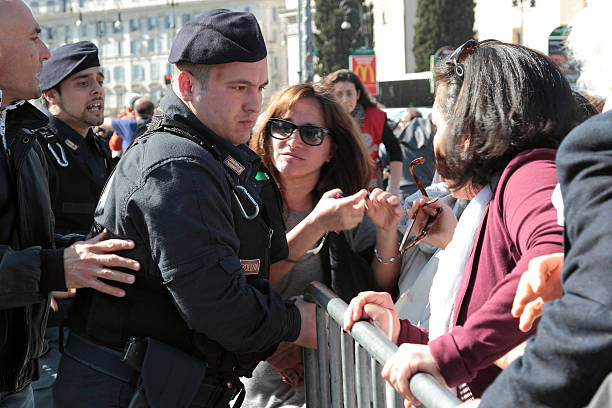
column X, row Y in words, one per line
column 457, row 56
column 282, row 129
column 408, row 241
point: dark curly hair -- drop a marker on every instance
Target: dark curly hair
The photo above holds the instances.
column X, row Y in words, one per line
column 511, row 99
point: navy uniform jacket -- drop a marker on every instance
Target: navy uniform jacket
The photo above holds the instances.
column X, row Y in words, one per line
column 172, row 198
column 571, row 354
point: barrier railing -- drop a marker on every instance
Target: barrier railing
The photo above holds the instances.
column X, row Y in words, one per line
column 340, row 375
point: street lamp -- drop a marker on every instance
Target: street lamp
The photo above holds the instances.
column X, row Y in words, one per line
column 348, row 6
column 515, row 3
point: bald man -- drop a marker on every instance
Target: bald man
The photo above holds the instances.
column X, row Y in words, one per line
column 31, row 266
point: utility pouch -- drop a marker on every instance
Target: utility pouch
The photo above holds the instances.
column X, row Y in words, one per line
column 169, row 377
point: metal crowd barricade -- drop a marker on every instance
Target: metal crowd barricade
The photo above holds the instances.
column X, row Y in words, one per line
column 347, row 372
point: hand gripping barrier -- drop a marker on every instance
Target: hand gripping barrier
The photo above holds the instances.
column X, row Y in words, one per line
column 341, row 375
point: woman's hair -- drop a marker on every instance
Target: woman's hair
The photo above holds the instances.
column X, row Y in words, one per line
column 349, row 167
column 511, row 99
column 345, row 75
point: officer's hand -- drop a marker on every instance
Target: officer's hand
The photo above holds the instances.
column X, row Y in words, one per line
column 308, row 331
column 335, row 212
column 86, row 261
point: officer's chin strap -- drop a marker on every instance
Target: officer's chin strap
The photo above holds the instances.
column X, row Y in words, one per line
column 61, row 161
column 245, row 193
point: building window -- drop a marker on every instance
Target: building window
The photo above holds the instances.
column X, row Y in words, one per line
column 119, row 73
column 81, row 3
column 276, row 63
column 49, row 31
column 137, row 73
column 83, row 30
column 152, row 23
column 134, row 47
column 168, row 69
column 65, row 5
column 134, row 24
column 185, row 18
column 68, row 34
column 154, row 72
column 117, row 27
column 100, row 28
column 107, row 76
column 50, row 4
column 167, row 22
column 151, row 45
column 34, row 6
column 119, row 48
column 273, row 13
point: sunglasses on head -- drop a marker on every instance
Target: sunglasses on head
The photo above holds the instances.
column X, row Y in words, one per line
column 458, row 55
column 282, row 129
column 409, row 241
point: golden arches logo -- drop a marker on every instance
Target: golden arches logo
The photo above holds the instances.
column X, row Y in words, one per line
column 362, row 72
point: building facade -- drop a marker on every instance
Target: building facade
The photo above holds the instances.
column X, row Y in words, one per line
column 135, row 38
column 524, row 22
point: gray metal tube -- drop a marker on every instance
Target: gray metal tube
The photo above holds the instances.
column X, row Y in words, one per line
column 348, row 370
column 362, row 382
column 424, row 386
column 311, row 377
column 335, row 365
column 378, row 384
column 322, row 350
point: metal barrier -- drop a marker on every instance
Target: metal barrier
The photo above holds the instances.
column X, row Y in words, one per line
column 340, row 376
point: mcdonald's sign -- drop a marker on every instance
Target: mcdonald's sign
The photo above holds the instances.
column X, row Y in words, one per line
column 364, row 66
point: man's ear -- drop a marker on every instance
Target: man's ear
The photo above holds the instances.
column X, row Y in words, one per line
column 51, row 96
column 186, row 84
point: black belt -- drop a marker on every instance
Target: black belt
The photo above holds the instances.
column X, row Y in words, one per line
column 99, row 358
column 212, row 393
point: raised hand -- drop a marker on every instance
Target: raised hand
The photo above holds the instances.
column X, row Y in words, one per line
column 384, row 209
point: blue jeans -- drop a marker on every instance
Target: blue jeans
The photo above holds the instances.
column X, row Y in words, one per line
column 20, row 399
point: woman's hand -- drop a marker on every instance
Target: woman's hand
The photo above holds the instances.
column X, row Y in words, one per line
column 372, row 305
column 334, row 212
column 442, row 230
column 384, row 209
column 407, row 361
column 538, row 285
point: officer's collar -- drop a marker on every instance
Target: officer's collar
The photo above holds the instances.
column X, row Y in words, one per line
column 176, row 109
column 64, row 131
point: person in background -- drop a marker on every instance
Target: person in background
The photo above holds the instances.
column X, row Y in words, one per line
column 509, row 221
column 115, row 143
column 130, row 128
column 31, row 266
column 372, row 121
column 336, row 235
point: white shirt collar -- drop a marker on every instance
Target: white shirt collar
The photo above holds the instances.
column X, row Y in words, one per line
column 3, row 117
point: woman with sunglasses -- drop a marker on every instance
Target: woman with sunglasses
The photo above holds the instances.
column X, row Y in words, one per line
column 501, row 110
column 349, row 89
column 315, row 152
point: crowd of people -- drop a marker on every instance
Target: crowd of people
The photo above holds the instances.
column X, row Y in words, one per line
column 164, row 265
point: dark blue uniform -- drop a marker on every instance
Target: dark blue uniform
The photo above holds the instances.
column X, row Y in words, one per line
column 172, row 197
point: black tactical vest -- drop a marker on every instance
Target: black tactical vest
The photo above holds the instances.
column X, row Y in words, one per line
column 76, row 195
column 148, row 309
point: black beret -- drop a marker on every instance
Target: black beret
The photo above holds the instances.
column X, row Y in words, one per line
column 217, row 37
column 67, row 60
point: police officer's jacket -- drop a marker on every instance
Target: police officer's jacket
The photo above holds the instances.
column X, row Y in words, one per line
column 78, row 169
column 29, row 265
column 175, row 199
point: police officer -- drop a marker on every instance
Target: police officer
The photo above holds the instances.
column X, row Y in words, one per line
column 79, row 161
column 205, row 215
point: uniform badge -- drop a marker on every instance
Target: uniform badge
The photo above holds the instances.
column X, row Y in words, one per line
column 234, row 165
column 250, row 266
column 72, row 145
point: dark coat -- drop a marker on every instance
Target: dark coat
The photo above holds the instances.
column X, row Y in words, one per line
column 571, row 354
column 29, row 267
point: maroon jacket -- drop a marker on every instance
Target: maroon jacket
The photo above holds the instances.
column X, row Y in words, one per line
column 519, row 224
